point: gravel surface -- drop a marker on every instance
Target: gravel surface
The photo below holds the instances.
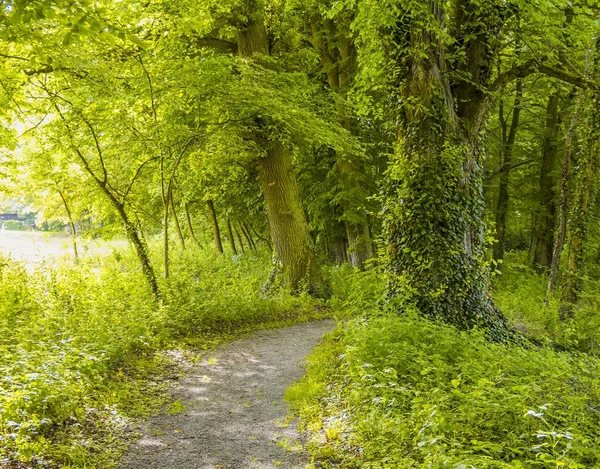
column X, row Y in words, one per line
column 233, row 416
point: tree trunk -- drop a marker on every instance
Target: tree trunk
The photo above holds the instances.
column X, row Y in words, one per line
column 508, row 142
column 71, row 225
column 580, row 211
column 212, row 215
column 248, row 237
column 561, row 229
column 542, row 254
column 239, row 237
column 434, row 206
column 338, row 56
column 230, row 236
column 287, row 221
column 289, row 229
column 177, row 225
column 259, row 236
column 189, row 224
column 166, row 198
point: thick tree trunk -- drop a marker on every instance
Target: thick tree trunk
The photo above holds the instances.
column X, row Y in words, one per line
column 508, row 142
column 289, row 229
column 542, row 254
column 581, row 206
column 212, row 215
column 287, row 221
column 561, row 229
column 434, row 208
column 230, row 236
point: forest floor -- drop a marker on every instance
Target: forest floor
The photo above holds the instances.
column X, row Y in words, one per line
column 229, row 411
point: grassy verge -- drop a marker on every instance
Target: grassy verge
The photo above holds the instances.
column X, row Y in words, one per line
column 400, row 392
column 83, row 347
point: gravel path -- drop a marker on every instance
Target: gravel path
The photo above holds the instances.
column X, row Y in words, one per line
column 234, row 416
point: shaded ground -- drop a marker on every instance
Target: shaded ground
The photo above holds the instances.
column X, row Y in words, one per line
column 232, row 414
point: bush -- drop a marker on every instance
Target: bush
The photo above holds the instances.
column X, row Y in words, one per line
column 390, row 392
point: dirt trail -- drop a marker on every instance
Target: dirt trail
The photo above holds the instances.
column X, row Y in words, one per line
column 234, row 415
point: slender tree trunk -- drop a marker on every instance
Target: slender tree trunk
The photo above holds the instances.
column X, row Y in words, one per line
column 248, row 237
column 542, row 254
column 177, row 225
column 71, row 225
column 561, row 229
column 287, row 221
column 188, row 218
column 230, row 236
column 338, row 56
column 166, row 204
column 249, row 233
column 134, row 237
column 508, row 142
column 259, row 236
column 215, row 226
column 239, row 237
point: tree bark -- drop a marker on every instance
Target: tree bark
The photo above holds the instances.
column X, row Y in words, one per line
column 230, row 236
column 561, row 229
column 434, row 222
column 582, row 201
column 239, row 237
column 287, row 221
column 212, row 215
column 190, row 225
column 289, row 229
column 542, row 254
column 71, row 225
column 508, row 142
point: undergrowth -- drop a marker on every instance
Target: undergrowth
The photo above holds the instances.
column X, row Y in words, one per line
column 397, row 391
column 81, row 346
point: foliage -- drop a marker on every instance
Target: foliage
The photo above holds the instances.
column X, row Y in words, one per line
column 387, row 392
column 80, row 345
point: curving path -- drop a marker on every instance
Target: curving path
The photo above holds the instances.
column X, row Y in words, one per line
column 234, row 416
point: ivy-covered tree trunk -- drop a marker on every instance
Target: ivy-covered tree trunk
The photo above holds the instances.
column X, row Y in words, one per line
column 561, row 228
column 434, row 210
column 287, row 220
column 582, row 202
column 544, row 238
column 508, row 142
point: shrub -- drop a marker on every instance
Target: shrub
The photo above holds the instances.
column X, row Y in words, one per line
column 393, row 392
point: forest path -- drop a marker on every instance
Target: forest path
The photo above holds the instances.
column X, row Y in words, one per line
column 234, row 416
